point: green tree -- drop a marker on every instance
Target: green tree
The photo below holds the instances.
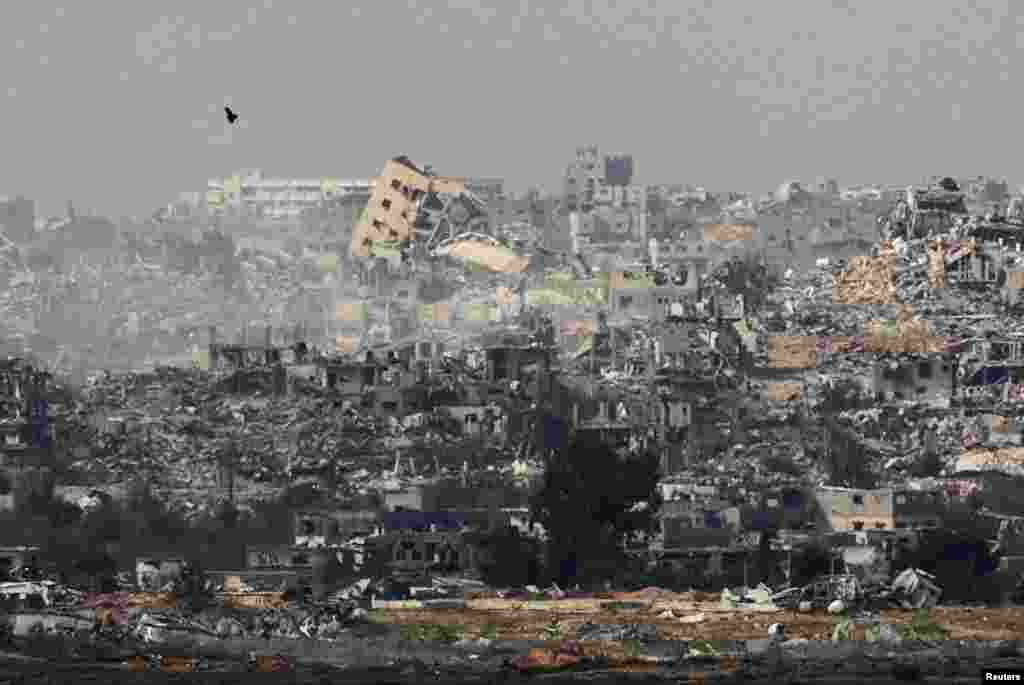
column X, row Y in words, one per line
column 846, row 459
column 513, row 560
column 591, row 502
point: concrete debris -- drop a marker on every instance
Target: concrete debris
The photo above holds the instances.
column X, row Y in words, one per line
column 554, row 592
column 795, row 643
column 750, row 389
column 478, row 643
column 616, row 633
column 867, row 280
column 483, row 250
column 159, row 629
column 916, row 589
column 759, row 598
column 44, row 591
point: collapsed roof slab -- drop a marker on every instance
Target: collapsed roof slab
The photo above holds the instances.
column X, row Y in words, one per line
column 487, row 253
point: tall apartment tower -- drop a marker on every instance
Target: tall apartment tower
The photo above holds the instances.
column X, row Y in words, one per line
column 583, row 177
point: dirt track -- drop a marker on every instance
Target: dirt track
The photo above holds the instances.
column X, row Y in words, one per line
column 380, row 651
column 962, row 623
column 849, row 664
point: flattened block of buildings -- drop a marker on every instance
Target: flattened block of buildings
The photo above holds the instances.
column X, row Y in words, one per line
column 394, row 205
column 901, row 336
column 782, row 392
column 792, row 351
column 728, row 232
column 867, row 280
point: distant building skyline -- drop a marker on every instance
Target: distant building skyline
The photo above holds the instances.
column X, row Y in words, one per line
column 745, row 94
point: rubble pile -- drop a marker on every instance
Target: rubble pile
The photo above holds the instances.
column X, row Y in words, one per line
column 770, row 407
column 867, row 280
column 183, row 426
column 143, row 306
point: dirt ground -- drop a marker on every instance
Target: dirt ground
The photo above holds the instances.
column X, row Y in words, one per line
column 962, row 623
column 379, row 651
column 853, row 665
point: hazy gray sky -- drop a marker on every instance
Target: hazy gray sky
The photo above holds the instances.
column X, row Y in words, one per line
column 117, row 105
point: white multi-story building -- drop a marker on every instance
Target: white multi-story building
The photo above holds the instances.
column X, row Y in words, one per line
column 278, row 198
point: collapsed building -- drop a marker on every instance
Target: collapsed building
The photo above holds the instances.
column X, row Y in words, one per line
column 663, row 371
column 413, row 209
column 927, row 211
column 27, row 454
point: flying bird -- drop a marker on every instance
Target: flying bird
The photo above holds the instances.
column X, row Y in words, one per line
column 232, row 117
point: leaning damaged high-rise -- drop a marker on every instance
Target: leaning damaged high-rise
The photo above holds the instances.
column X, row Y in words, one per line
column 410, row 207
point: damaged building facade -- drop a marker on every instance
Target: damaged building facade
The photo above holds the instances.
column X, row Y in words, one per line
column 886, row 509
